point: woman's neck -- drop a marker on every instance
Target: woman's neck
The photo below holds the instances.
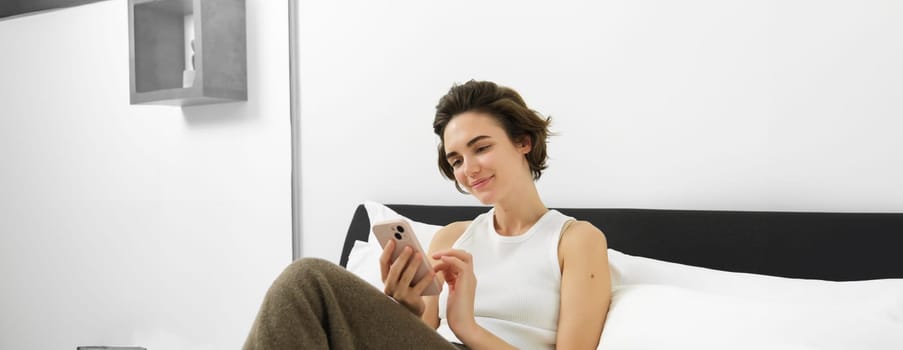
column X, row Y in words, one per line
column 516, row 214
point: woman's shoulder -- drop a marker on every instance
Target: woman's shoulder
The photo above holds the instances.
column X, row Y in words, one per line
column 581, row 241
column 447, row 235
column 580, row 233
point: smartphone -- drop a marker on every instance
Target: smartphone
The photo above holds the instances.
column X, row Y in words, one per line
column 399, row 231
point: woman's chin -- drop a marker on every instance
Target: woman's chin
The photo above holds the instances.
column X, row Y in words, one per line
column 484, row 197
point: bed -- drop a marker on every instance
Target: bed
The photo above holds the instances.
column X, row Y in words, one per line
column 714, row 279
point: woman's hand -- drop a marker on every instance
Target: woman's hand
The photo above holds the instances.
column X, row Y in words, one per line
column 456, row 267
column 398, row 276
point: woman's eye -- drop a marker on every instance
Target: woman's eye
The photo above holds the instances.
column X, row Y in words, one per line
column 455, row 163
column 482, row 149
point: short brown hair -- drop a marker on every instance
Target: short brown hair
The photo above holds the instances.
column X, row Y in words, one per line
column 507, row 107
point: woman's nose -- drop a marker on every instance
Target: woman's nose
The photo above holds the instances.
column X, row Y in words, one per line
column 471, row 167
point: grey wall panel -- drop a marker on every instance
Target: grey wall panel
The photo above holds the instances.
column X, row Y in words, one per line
column 10, row 8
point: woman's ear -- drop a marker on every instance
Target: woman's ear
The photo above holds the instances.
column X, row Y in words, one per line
column 524, row 145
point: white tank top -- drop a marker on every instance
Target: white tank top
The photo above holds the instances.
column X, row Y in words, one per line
column 518, row 281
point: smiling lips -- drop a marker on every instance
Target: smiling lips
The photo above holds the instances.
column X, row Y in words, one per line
column 480, row 183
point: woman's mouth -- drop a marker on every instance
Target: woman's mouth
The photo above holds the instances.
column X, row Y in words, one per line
column 481, row 182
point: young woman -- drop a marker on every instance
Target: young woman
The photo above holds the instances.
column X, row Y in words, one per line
column 519, row 276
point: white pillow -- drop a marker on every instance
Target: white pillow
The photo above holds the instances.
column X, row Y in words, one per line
column 632, row 270
column 363, row 260
column 657, row 304
column 654, row 316
column 378, row 212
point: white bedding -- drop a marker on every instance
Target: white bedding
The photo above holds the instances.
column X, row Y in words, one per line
column 662, row 305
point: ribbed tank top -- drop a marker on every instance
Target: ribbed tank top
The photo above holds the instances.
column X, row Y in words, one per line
column 518, row 281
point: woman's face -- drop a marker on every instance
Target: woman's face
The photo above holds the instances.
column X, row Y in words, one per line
column 485, row 161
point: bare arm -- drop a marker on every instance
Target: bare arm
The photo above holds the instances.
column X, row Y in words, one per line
column 585, row 286
column 443, row 239
column 454, row 267
column 457, row 268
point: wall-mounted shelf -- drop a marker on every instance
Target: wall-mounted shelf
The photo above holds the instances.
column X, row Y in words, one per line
column 159, row 31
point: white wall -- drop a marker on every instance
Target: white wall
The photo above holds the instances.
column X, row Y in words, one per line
column 747, row 105
column 136, row 225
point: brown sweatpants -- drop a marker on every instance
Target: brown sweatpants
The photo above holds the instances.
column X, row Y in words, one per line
column 315, row 304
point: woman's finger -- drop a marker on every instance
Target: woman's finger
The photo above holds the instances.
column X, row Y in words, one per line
column 403, row 258
column 456, row 264
column 423, row 283
column 447, row 274
column 396, row 269
column 460, row 254
column 444, row 267
column 407, row 278
column 384, row 259
column 450, row 263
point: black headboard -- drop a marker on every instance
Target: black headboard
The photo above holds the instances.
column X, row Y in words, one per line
column 828, row 246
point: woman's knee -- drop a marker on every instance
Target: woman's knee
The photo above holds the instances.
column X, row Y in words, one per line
column 307, row 266
column 308, row 269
